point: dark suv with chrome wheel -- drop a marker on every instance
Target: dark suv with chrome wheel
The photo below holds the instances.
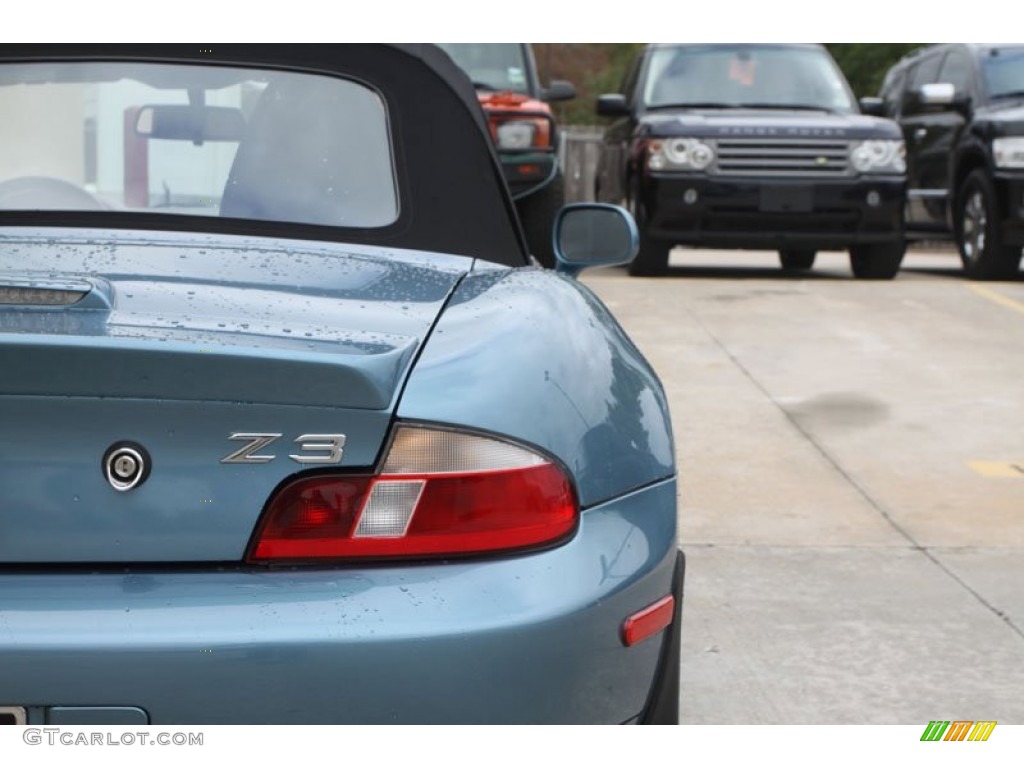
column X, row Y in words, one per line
column 753, row 146
column 961, row 108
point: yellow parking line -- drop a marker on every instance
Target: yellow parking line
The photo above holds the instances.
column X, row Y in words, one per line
column 998, row 468
column 998, row 298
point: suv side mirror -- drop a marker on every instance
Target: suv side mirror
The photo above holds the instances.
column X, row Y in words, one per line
column 872, row 105
column 593, row 235
column 559, row 90
column 938, row 97
column 937, row 94
column 612, row 105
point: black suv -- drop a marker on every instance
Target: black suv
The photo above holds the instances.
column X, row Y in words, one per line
column 753, row 146
column 961, row 108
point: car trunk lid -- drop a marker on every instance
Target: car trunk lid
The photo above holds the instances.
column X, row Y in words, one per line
column 178, row 349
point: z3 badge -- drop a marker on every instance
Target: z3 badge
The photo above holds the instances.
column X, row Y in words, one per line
column 317, row 449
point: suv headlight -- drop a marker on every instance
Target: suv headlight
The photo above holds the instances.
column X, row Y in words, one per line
column 680, row 154
column 1008, row 152
column 518, row 133
column 879, row 156
column 515, row 134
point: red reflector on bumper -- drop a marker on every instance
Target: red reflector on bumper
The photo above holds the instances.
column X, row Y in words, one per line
column 649, row 621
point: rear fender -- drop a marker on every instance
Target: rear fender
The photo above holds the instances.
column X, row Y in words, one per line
column 536, row 357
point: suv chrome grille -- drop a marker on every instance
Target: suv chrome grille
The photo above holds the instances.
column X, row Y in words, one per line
column 782, row 157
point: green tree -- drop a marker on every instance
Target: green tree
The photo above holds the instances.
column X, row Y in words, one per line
column 865, row 64
column 594, row 68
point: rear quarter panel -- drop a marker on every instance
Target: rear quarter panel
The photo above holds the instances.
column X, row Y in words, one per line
column 535, row 356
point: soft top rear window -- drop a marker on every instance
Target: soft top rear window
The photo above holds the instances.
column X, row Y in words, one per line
column 192, row 140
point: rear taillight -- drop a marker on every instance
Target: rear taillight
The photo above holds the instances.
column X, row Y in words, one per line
column 439, row 493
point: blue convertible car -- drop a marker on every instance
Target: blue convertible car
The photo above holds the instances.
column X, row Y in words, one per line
column 291, row 428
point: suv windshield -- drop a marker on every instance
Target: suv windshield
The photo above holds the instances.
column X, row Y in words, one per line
column 746, row 76
column 491, row 66
column 1003, row 69
column 194, row 140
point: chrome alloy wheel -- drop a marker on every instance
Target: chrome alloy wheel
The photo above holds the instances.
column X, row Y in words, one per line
column 975, row 223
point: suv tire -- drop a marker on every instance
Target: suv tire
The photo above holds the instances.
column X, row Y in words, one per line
column 978, row 232
column 652, row 257
column 537, row 212
column 797, row 260
column 877, row 261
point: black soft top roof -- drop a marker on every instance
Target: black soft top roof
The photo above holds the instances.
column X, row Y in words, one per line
column 452, row 194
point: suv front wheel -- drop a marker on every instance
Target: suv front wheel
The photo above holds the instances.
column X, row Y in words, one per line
column 978, row 233
column 877, row 261
column 652, row 257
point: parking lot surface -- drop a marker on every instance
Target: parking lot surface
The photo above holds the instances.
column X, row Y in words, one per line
column 851, row 457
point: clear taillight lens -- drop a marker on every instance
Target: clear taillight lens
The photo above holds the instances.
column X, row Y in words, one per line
column 440, row 493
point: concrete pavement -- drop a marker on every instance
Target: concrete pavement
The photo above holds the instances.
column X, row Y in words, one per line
column 850, row 506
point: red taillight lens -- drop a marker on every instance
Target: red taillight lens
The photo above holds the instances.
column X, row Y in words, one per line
column 441, row 493
column 311, row 513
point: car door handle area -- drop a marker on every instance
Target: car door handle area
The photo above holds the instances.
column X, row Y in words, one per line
column 920, row 133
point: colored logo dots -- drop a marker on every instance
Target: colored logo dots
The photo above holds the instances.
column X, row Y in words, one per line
column 958, row 731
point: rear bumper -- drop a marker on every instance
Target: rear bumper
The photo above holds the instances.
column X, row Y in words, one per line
column 736, row 212
column 534, row 638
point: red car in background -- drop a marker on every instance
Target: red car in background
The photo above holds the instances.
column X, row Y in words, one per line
column 523, row 129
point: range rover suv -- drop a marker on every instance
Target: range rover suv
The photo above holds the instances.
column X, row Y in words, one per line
column 961, row 108
column 753, row 146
